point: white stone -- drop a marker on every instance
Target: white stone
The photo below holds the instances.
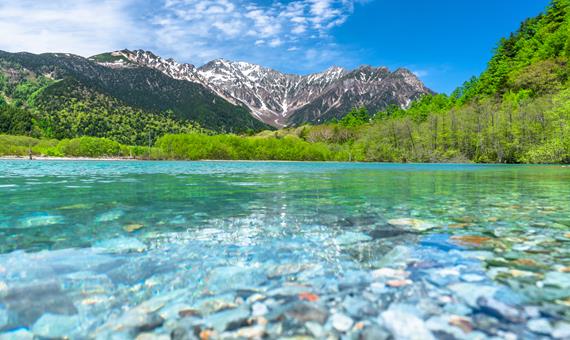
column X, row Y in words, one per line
column 259, row 309
column 405, row 326
column 56, row 326
column 341, row 322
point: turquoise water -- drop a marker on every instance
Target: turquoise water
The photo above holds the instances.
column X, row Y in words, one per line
column 95, row 241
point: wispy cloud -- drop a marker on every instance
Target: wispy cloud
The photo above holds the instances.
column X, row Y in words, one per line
column 83, row 27
column 202, row 29
column 276, row 33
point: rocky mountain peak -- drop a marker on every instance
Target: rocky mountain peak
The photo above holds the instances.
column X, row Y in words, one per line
column 281, row 99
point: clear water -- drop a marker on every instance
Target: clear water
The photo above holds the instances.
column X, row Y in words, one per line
column 93, row 239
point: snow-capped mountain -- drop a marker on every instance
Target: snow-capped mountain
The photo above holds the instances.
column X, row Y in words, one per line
column 281, row 99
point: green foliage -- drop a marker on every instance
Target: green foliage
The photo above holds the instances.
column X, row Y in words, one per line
column 15, row 120
column 517, row 60
column 231, row 147
column 109, row 58
column 419, row 109
column 89, row 147
column 356, row 117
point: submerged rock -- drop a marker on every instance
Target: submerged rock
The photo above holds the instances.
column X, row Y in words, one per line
column 499, row 310
column 470, row 292
column 228, row 320
column 223, row 279
column 351, row 238
column 120, row 245
column 54, row 326
column 304, row 312
column 557, row 279
column 341, row 322
column 40, row 220
column 3, row 317
column 540, row 326
column 561, row 330
column 214, row 304
column 315, row 329
column 411, row 223
column 374, row 332
column 405, row 326
column 109, row 216
column 259, row 309
column 19, row 334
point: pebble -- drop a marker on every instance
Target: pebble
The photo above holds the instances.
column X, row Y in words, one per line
column 120, row 245
column 40, row 220
column 561, row 330
column 56, row 326
column 304, row 312
column 223, row 279
column 442, row 324
column 254, row 332
column 470, row 292
column 500, row 310
column 259, row 309
column 411, row 223
column 398, row 283
column 540, row 326
column 152, row 336
column 351, row 238
column 405, row 326
column 133, row 227
column 232, row 318
column 3, row 317
column 19, row 334
column 213, row 304
column 389, row 273
column 472, row 278
column 558, row 279
column 180, row 333
column 109, row 216
column 341, row 322
column 315, row 328
column 374, row 332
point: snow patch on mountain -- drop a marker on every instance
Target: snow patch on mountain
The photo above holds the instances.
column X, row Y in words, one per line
column 283, row 99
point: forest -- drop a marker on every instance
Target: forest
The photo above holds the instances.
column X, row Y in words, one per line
column 516, row 111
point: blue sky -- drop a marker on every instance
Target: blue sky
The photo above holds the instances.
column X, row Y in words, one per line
column 444, row 41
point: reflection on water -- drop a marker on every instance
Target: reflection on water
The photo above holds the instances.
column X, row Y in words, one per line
column 92, row 241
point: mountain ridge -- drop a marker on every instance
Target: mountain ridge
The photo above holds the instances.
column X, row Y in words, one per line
column 281, row 99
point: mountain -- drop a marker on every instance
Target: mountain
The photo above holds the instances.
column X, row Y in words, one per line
column 68, row 79
column 131, row 95
column 282, row 99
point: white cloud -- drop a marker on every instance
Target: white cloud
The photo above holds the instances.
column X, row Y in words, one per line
column 82, row 27
column 238, row 27
column 421, row 73
column 193, row 31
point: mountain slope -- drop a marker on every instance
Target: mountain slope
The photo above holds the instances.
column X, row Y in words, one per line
column 282, row 99
column 140, row 88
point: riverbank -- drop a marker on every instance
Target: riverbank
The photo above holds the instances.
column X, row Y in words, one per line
column 196, row 147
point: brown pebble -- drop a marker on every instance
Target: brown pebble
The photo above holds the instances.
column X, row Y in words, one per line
column 207, row 334
column 133, row 227
column 459, row 225
column 471, row 240
column 398, row 283
column 188, row 312
column 462, row 323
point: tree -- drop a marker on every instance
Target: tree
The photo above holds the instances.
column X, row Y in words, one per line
column 356, row 117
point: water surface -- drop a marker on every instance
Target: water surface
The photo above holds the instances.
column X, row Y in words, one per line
column 94, row 241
